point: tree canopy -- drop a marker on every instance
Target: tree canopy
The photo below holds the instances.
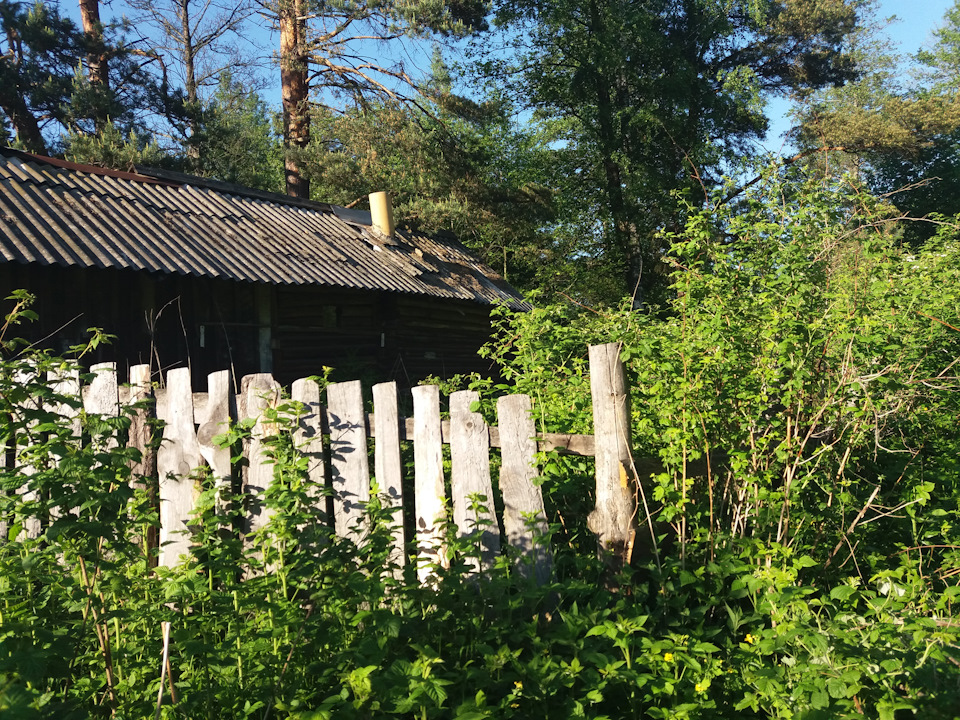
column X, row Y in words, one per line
column 564, row 141
column 649, row 100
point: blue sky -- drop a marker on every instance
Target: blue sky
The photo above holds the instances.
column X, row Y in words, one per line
column 917, row 19
column 910, row 31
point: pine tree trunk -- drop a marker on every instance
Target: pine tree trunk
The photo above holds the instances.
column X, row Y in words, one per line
column 295, row 85
column 97, row 68
column 24, row 123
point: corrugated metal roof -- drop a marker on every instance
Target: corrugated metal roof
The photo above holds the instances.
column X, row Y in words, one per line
column 54, row 212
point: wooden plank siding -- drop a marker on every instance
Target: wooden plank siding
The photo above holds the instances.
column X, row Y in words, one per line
column 208, row 324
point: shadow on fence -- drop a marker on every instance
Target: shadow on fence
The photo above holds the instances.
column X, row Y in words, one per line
column 333, row 437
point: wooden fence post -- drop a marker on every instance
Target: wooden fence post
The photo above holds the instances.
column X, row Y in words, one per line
column 177, row 457
column 470, row 477
column 102, row 395
column 66, row 385
column 429, row 492
column 348, row 457
column 216, row 421
column 524, row 517
column 613, row 517
column 143, row 472
column 260, row 391
column 388, row 470
column 31, row 525
column 308, row 438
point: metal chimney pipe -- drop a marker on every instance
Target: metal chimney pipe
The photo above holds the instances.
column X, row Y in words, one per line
column 381, row 212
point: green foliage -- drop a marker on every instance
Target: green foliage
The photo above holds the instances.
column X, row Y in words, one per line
column 450, row 164
column 899, row 132
column 110, row 148
column 812, row 574
column 43, row 89
column 236, row 139
column 801, row 344
column 643, row 102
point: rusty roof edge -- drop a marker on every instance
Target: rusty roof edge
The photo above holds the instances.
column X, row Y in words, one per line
column 79, row 167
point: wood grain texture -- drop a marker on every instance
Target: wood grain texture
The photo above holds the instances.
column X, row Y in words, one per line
column 472, row 491
column 350, row 470
column 215, row 420
column 388, row 469
column 309, row 440
column 143, row 472
column 524, row 517
column 65, row 384
column 612, row 518
column 259, row 391
column 429, row 494
column 102, row 395
column 177, row 457
column 24, row 439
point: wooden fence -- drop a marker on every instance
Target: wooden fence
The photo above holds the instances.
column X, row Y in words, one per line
column 339, row 430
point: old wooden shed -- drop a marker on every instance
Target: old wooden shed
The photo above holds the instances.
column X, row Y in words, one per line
column 192, row 272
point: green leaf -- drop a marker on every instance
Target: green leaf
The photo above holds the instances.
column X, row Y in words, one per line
column 842, row 592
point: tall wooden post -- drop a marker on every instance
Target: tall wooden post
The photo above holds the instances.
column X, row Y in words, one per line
column 429, row 494
column 613, row 517
column 388, row 466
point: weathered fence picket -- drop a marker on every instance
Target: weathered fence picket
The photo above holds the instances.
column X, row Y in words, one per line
column 613, row 518
column 388, row 464
column 259, row 392
column 428, row 491
column 31, row 525
column 524, row 517
column 178, row 455
column 308, row 437
column 191, row 421
column 470, row 477
column 216, row 415
column 348, row 457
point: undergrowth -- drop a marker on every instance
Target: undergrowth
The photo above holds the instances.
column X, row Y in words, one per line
column 809, row 572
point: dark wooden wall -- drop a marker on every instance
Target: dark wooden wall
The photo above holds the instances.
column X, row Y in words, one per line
column 208, row 325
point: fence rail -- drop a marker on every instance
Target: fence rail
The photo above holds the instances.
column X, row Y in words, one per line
column 334, row 435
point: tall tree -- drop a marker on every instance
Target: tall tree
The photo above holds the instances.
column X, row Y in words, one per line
column 904, row 139
column 450, row 165
column 926, row 181
column 40, row 51
column 199, row 40
column 295, row 92
column 43, row 91
column 96, row 45
column 352, row 51
column 650, row 99
column 238, row 137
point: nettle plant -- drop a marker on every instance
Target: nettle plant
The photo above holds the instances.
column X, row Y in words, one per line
column 72, row 560
column 799, row 385
column 811, row 572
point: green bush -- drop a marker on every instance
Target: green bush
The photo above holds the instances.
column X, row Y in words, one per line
column 811, row 574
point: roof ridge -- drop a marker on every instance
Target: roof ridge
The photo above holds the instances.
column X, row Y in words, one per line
column 80, row 167
column 174, row 176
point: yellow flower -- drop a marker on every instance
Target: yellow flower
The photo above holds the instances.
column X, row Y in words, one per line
column 518, row 685
column 668, row 657
column 699, row 687
column 749, row 639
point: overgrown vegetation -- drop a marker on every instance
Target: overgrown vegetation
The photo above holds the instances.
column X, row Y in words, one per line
column 809, row 569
